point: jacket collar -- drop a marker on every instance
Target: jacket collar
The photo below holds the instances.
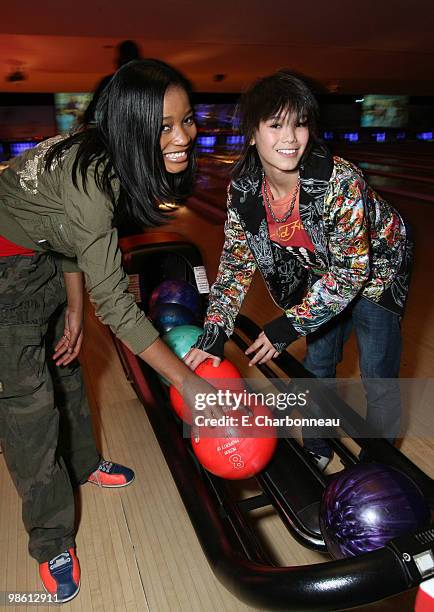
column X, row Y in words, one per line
column 315, row 173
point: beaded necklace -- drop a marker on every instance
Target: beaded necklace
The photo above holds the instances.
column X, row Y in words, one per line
column 291, row 205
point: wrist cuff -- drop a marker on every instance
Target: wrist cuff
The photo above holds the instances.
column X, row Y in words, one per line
column 212, row 340
column 280, row 332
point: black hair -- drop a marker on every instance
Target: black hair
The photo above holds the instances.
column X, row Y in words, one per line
column 125, row 144
column 281, row 92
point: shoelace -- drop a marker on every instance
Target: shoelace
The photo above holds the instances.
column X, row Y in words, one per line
column 105, row 466
column 60, row 560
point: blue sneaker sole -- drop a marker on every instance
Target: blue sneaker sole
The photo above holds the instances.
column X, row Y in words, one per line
column 59, row 602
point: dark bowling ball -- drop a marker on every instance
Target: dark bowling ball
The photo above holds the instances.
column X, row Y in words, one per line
column 367, row 505
column 167, row 316
column 176, row 292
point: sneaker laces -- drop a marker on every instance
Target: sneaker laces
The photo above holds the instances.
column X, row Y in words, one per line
column 60, row 560
column 104, row 466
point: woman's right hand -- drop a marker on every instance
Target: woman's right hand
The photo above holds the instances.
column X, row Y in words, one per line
column 159, row 357
column 196, row 356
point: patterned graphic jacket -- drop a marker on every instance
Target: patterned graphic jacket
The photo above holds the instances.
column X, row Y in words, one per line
column 361, row 242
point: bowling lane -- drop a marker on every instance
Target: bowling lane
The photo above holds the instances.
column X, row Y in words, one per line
column 383, row 169
column 391, row 176
column 410, row 175
column 411, row 154
column 422, row 167
column 388, row 186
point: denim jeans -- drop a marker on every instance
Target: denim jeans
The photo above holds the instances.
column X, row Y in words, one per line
column 379, row 343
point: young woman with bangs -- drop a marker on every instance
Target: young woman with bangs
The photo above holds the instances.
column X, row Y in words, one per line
column 333, row 254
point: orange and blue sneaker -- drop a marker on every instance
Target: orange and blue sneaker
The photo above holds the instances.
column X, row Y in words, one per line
column 61, row 576
column 111, row 475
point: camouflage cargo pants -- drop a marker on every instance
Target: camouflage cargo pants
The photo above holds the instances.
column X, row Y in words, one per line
column 45, row 426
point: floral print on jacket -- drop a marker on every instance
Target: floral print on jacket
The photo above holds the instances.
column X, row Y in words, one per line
column 360, row 241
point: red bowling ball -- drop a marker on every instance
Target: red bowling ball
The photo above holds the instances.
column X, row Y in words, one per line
column 233, row 456
column 225, row 376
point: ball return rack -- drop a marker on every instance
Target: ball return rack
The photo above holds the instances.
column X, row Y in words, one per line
column 291, row 483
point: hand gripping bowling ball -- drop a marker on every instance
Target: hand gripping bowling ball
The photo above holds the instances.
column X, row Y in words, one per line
column 180, row 340
column 225, row 377
column 231, row 454
column 176, row 292
column 366, row 506
column 167, row 316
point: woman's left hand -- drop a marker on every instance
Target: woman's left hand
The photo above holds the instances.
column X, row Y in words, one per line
column 263, row 348
column 68, row 347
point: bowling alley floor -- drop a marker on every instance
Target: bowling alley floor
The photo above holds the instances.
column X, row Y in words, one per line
column 137, row 548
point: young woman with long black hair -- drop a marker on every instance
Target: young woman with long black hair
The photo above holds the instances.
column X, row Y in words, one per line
column 333, row 254
column 60, row 205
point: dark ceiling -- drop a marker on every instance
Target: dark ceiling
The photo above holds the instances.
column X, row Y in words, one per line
column 378, row 46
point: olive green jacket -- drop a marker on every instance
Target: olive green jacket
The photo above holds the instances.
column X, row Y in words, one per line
column 43, row 210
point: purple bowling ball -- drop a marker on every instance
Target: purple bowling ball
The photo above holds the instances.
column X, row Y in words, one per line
column 167, row 316
column 366, row 506
column 176, row 292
